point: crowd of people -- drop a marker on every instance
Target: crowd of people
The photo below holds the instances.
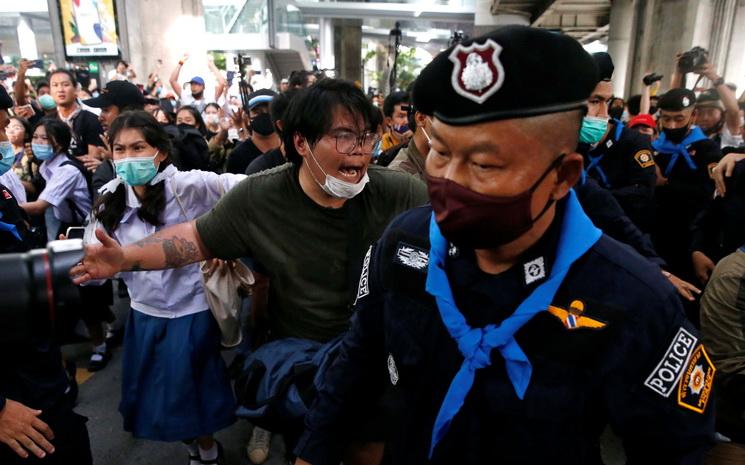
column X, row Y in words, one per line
column 480, row 268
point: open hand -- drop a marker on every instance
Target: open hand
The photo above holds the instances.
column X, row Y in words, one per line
column 23, row 431
column 724, row 169
column 100, row 261
column 684, row 288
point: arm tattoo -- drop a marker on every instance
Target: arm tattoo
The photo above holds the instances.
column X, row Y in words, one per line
column 179, row 251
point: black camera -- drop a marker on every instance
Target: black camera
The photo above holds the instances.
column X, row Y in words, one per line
column 38, row 295
column 693, row 59
column 650, row 79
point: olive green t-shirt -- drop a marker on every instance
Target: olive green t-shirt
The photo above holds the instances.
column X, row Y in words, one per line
column 303, row 247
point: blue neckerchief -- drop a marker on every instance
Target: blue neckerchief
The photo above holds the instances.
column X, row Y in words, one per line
column 577, row 235
column 662, row 145
column 595, row 161
column 11, row 228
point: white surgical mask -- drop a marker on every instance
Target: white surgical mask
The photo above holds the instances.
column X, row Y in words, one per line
column 336, row 187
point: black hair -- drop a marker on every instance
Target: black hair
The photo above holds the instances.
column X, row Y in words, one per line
column 311, row 112
column 198, row 117
column 69, row 74
column 26, row 128
column 299, row 78
column 110, row 206
column 41, row 84
column 634, row 104
column 121, row 62
column 278, row 107
column 58, row 133
column 377, row 118
column 390, row 102
column 212, row 104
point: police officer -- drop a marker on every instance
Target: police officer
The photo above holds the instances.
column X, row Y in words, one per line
column 684, row 156
column 618, row 158
column 508, row 326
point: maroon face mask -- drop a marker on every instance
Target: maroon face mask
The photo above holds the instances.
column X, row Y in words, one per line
column 477, row 221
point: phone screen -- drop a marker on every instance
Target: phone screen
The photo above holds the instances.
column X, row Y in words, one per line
column 76, row 232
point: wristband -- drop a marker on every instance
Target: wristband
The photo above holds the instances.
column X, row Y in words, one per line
column 181, row 62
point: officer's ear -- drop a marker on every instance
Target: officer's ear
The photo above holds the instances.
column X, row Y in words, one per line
column 569, row 173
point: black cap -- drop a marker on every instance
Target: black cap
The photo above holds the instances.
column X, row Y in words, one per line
column 709, row 98
column 677, row 99
column 260, row 96
column 5, row 100
column 119, row 93
column 513, row 72
column 605, row 66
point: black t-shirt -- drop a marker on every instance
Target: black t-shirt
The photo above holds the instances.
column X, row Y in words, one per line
column 242, row 156
column 86, row 130
column 266, row 161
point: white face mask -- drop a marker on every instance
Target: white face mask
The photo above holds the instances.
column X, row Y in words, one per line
column 336, row 187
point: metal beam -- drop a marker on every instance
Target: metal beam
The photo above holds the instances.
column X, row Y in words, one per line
column 542, row 10
column 598, row 33
column 369, row 10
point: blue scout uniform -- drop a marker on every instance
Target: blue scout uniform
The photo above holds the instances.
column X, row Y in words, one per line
column 623, row 163
column 613, row 348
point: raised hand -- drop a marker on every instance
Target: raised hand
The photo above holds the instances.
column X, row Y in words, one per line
column 100, row 261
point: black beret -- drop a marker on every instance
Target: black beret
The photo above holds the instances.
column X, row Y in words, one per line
column 513, row 72
column 5, row 100
column 605, row 66
column 677, row 99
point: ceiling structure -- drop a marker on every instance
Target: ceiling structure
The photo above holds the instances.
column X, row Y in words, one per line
column 585, row 20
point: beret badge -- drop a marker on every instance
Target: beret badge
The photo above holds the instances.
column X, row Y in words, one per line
column 477, row 72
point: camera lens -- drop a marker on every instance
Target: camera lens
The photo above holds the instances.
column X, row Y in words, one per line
column 39, row 298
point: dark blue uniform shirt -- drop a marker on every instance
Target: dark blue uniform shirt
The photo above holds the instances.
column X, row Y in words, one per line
column 634, row 372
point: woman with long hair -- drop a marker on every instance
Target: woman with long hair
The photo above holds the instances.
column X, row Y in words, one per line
column 175, row 385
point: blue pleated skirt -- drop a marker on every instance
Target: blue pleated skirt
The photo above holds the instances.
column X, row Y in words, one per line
column 175, row 384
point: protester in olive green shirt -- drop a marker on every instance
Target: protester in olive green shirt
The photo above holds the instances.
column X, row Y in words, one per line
column 304, row 247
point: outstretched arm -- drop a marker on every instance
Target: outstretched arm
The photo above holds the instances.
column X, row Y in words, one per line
column 171, row 247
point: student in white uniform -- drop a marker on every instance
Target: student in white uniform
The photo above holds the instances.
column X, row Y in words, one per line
column 174, row 382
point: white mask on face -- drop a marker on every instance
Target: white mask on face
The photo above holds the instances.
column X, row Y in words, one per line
column 336, row 187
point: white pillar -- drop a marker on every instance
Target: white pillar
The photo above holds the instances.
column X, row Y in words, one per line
column 620, row 43
column 26, row 40
column 326, row 43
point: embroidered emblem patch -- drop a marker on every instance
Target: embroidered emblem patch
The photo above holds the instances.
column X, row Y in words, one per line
column 609, row 144
column 7, row 195
column 686, row 101
column 411, row 257
column 477, row 71
column 574, row 317
column 694, row 389
column 534, row 270
column 363, row 288
column 644, row 158
column 392, row 370
column 453, row 251
column 668, row 371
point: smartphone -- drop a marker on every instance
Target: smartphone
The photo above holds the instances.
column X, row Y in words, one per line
column 75, row 232
column 36, row 64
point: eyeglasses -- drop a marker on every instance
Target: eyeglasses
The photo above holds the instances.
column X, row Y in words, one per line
column 347, row 141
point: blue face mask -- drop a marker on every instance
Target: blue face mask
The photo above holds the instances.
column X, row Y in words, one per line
column 42, row 151
column 7, row 156
column 136, row 171
column 593, row 129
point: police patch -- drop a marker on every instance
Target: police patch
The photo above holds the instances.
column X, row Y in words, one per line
column 694, row 389
column 411, row 257
column 644, row 158
column 392, row 370
column 363, row 288
column 477, row 71
column 534, row 270
column 669, row 370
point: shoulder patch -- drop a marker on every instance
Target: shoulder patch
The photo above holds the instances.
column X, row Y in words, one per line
column 7, row 195
column 670, row 368
column 392, row 370
column 694, row 388
column 644, row 158
column 363, row 288
column 574, row 318
column 411, row 256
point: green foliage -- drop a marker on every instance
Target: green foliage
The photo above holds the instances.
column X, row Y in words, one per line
column 219, row 59
column 408, row 68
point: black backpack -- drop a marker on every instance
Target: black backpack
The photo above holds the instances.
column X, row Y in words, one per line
column 79, row 215
column 190, row 150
